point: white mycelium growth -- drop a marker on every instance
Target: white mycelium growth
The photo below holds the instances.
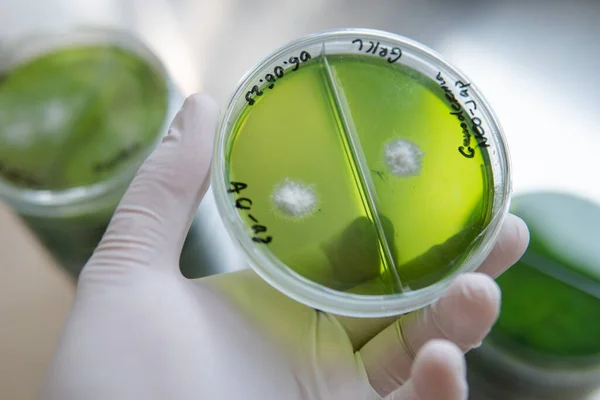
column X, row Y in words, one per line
column 403, row 158
column 294, row 199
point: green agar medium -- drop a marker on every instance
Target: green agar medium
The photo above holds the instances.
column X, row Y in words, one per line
column 352, row 164
column 77, row 116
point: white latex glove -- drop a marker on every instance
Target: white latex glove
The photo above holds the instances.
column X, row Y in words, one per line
column 140, row 330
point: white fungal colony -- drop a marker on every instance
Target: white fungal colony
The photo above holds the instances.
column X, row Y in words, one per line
column 22, row 130
column 403, row 158
column 294, row 199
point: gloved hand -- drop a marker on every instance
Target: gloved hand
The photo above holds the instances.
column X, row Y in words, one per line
column 140, row 330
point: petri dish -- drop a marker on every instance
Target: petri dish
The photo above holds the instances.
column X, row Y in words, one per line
column 79, row 111
column 546, row 342
column 360, row 172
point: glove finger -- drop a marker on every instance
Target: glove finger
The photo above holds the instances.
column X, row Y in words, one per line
column 464, row 316
column 438, row 373
column 511, row 245
column 154, row 215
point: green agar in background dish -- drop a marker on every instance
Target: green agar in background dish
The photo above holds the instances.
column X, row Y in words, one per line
column 352, row 164
column 551, row 298
column 75, row 117
column 546, row 342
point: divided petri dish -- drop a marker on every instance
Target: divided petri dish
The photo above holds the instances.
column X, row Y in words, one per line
column 359, row 172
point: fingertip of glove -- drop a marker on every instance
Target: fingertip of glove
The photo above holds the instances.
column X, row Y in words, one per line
column 200, row 102
column 440, row 349
column 480, row 289
column 197, row 115
column 442, row 362
column 521, row 235
column 469, row 309
column 474, row 292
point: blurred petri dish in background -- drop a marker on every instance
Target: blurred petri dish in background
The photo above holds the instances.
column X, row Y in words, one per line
column 79, row 111
column 360, row 172
column 546, row 342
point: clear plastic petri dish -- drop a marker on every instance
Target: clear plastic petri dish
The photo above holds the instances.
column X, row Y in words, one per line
column 359, row 172
column 80, row 109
